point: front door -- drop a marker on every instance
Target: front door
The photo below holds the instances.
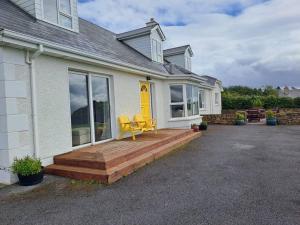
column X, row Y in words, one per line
column 145, row 95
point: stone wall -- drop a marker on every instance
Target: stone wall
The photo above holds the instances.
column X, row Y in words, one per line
column 284, row 116
column 288, row 117
column 226, row 118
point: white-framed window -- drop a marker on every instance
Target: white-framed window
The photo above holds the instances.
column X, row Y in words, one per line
column 188, row 63
column 157, row 52
column 58, row 12
column 202, row 99
column 217, row 98
column 177, row 104
column 192, row 100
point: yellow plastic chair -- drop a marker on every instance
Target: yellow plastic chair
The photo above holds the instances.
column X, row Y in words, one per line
column 128, row 126
column 145, row 124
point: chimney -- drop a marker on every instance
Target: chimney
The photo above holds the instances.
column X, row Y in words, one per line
column 151, row 23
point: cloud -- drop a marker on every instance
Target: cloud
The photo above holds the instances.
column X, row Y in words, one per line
column 248, row 42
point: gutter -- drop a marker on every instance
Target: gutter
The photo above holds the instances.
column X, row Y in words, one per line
column 54, row 48
column 30, row 60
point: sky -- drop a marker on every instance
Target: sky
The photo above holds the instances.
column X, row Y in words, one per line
column 241, row 42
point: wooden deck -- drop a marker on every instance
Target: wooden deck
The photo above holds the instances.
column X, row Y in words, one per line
column 108, row 162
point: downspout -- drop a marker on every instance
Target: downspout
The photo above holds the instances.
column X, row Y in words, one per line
column 30, row 60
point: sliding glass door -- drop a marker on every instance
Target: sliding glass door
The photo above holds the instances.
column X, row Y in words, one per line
column 90, row 109
column 101, row 108
column 80, row 113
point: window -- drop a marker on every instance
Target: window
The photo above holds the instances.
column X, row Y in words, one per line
column 217, row 98
column 192, row 100
column 58, row 12
column 201, row 99
column 177, row 101
column 157, row 53
column 188, row 64
column 90, row 108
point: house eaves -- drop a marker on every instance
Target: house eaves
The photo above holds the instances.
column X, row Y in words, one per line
column 14, row 39
column 140, row 32
column 178, row 50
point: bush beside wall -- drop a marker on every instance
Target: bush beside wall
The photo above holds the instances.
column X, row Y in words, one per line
column 267, row 102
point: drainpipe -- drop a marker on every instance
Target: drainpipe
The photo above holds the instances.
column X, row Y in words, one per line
column 30, row 60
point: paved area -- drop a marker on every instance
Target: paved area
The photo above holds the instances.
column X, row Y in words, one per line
column 231, row 175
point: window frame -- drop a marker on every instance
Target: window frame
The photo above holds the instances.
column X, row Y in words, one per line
column 183, row 103
column 195, row 91
column 217, row 98
column 60, row 13
column 203, row 102
column 157, row 50
column 89, row 76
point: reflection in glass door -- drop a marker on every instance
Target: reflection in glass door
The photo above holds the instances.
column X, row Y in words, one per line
column 101, row 108
column 90, row 109
column 80, row 114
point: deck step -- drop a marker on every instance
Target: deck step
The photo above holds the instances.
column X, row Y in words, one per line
column 123, row 169
column 102, row 163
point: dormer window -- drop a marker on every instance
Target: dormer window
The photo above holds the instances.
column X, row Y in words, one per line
column 58, row 12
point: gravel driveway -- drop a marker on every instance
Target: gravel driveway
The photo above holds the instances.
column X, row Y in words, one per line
column 231, row 175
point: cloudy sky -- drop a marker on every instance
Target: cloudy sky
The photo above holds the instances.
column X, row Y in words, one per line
column 247, row 42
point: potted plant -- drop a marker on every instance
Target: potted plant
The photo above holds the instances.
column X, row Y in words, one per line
column 271, row 118
column 29, row 171
column 240, row 119
column 203, row 125
column 195, row 127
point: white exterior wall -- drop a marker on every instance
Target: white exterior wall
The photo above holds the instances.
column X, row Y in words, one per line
column 15, row 113
column 53, row 102
column 53, row 105
column 141, row 44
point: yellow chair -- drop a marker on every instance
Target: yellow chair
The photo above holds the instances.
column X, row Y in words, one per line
column 128, row 126
column 145, row 124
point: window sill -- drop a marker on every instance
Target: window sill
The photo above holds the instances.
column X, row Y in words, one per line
column 185, row 118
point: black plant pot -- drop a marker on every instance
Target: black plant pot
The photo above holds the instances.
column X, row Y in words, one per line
column 31, row 179
column 240, row 122
column 272, row 122
column 202, row 127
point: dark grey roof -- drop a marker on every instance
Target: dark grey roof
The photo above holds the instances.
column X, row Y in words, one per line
column 175, row 69
column 91, row 38
column 177, row 50
column 136, row 32
column 210, row 80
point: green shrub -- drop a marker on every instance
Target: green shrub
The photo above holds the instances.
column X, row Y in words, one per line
column 257, row 102
column 270, row 102
column 27, row 166
column 240, row 116
column 297, row 102
column 285, row 102
column 270, row 114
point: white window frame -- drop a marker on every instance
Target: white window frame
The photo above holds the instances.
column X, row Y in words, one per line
column 157, row 52
column 217, row 98
column 186, row 116
column 59, row 13
column 178, row 103
column 91, row 109
column 203, row 98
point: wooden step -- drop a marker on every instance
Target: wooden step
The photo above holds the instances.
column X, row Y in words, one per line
column 123, row 169
column 104, row 163
column 77, row 173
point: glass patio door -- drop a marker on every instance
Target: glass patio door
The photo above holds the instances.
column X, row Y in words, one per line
column 101, row 108
column 90, row 109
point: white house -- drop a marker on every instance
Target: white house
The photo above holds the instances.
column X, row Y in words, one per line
column 61, row 77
